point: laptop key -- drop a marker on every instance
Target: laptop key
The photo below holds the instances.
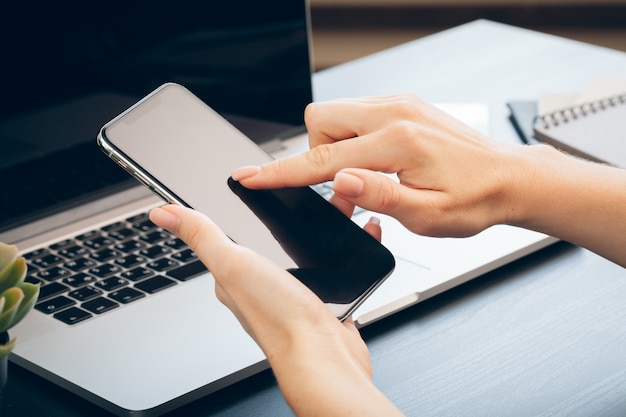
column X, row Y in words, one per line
column 154, row 236
column 130, row 260
column 129, row 246
column 52, row 274
column 144, row 226
column 99, row 242
column 33, row 280
column 186, row 272
column 137, row 218
column 99, row 305
column 175, row 243
column 80, row 264
column 137, row 274
column 122, row 234
column 79, row 279
column 155, row 284
column 162, row 264
column 85, row 293
column 154, row 252
column 126, row 295
column 72, row 315
column 46, row 261
column 54, row 304
column 36, row 253
column 105, row 270
column 62, row 244
column 89, row 235
column 52, row 289
column 185, row 256
column 105, row 254
column 113, row 226
column 73, row 251
column 111, row 283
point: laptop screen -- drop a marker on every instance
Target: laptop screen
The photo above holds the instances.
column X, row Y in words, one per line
column 69, row 67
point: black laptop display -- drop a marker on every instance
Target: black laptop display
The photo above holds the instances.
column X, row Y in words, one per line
column 70, row 67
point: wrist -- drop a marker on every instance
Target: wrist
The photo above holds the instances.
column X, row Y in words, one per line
column 530, row 192
column 321, row 376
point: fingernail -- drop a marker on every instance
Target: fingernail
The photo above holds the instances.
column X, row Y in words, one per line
column 245, row 172
column 165, row 219
column 348, row 185
column 374, row 220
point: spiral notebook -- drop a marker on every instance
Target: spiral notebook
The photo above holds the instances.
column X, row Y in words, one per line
column 594, row 130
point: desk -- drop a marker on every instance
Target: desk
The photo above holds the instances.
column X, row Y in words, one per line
column 542, row 336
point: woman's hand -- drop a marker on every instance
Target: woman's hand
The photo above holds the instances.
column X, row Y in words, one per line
column 451, row 179
column 321, row 364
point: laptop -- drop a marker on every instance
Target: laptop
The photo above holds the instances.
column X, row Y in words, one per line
column 128, row 318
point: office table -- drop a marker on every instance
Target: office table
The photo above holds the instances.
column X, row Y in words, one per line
column 545, row 335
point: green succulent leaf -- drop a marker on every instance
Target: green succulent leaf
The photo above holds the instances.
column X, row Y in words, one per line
column 13, row 274
column 6, row 348
column 12, row 299
column 31, row 293
column 12, row 268
column 7, row 254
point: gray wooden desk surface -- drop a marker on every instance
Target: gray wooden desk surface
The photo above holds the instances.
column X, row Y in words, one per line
column 543, row 336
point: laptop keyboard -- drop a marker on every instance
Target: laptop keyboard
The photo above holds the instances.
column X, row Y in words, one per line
column 100, row 270
column 120, row 263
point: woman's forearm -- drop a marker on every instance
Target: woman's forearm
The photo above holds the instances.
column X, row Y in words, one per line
column 575, row 200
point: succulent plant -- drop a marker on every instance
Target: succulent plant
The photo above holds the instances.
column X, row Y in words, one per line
column 17, row 297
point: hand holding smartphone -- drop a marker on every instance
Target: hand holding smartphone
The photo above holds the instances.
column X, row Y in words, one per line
column 184, row 151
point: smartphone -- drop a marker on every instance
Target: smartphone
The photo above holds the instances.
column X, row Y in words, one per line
column 184, row 151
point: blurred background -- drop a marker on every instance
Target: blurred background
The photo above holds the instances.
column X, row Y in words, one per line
column 347, row 29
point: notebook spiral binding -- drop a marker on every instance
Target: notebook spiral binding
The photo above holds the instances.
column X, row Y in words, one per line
column 575, row 112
